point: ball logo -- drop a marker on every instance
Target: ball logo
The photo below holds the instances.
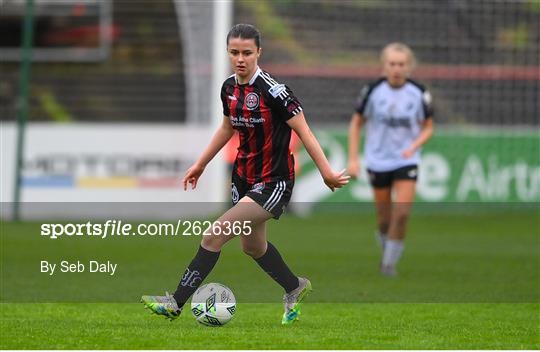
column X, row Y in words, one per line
column 225, row 296
column 197, row 311
column 252, row 101
column 212, row 321
column 213, row 304
column 235, row 195
column 210, row 303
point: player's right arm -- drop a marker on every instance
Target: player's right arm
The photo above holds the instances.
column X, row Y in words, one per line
column 355, row 129
column 218, row 141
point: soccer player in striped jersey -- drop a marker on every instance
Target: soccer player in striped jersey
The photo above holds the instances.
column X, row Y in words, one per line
column 398, row 115
column 264, row 112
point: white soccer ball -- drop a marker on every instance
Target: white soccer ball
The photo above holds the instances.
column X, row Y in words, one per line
column 213, row 304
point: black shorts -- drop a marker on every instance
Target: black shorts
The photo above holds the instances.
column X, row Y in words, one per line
column 272, row 196
column 385, row 179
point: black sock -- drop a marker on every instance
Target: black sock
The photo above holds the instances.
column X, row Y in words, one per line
column 195, row 273
column 272, row 263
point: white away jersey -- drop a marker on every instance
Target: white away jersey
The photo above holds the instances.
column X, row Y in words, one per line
column 394, row 118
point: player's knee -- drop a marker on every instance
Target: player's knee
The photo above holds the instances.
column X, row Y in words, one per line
column 212, row 243
column 384, row 225
column 401, row 218
column 253, row 251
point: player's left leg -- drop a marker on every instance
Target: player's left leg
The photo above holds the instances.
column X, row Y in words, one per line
column 255, row 243
column 404, row 192
column 272, row 199
column 268, row 257
column 270, row 260
column 383, row 206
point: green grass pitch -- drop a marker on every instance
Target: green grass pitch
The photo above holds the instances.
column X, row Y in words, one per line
column 256, row 326
column 468, row 280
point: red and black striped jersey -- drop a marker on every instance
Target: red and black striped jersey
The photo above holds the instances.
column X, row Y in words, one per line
column 259, row 110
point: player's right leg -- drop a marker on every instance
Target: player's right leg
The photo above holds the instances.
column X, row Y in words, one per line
column 162, row 305
column 381, row 182
column 205, row 259
column 200, row 266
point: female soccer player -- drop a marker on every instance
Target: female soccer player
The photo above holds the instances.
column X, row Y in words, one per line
column 264, row 112
column 397, row 112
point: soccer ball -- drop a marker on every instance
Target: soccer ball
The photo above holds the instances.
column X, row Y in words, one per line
column 213, row 304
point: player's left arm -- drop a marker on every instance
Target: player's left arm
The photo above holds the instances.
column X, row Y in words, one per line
column 331, row 178
column 427, row 125
column 423, row 137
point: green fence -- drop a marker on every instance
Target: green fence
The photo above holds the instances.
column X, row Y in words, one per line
column 457, row 166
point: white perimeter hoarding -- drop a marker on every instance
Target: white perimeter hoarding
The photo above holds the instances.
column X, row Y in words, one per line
column 109, row 164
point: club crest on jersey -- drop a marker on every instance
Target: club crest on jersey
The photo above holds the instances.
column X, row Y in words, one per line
column 252, row 101
column 258, row 187
column 234, row 193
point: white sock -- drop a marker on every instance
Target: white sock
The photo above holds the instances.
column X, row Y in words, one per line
column 392, row 252
column 381, row 238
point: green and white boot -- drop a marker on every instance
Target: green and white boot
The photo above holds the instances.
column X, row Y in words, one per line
column 292, row 301
column 162, row 305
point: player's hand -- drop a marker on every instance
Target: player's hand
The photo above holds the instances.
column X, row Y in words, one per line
column 336, row 179
column 353, row 169
column 192, row 176
column 409, row 152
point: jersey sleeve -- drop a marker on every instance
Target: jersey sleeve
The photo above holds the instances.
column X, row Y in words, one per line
column 283, row 101
column 427, row 104
column 362, row 99
column 226, row 111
